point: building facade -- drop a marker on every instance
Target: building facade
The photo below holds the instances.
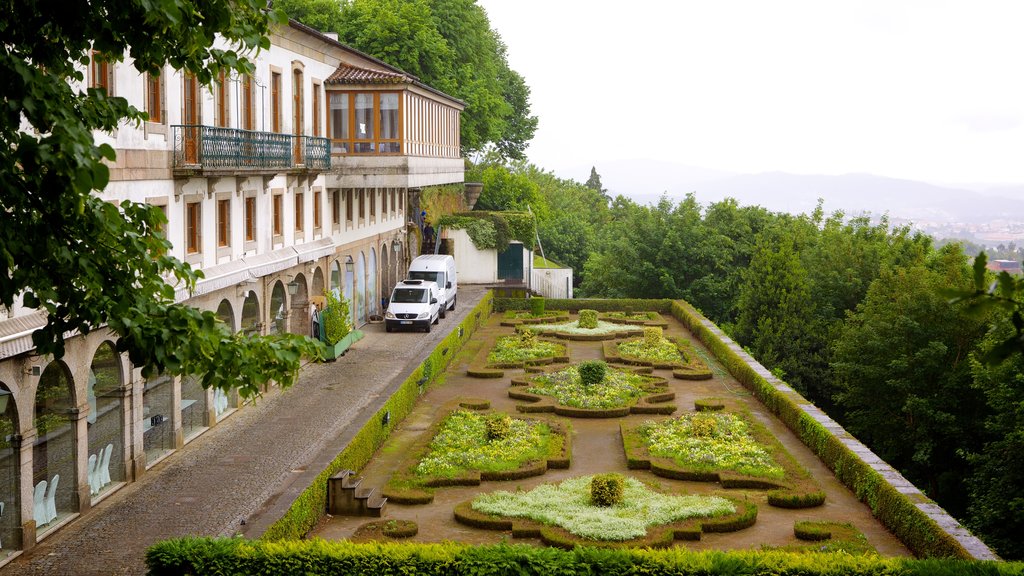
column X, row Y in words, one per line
column 279, row 186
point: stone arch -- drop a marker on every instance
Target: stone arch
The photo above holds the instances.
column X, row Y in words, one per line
column 359, row 295
column 278, row 312
column 226, row 314
column 10, row 470
column 251, row 313
column 385, row 273
column 55, row 451
column 105, row 420
column 318, row 282
column 298, row 320
column 349, row 287
column 372, row 276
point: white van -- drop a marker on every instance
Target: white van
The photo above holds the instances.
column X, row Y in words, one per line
column 439, row 268
column 413, row 304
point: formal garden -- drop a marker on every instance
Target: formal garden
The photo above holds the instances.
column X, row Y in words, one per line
column 631, row 430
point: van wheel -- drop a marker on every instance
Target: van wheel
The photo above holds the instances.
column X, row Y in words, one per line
column 427, row 329
column 454, row 298
column 437, row 319
column 443, row 310
column 387, row 328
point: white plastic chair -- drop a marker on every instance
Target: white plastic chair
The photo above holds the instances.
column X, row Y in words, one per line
column 103, row 471
column 39, row 504
column 1, row 516
column 51, row 499
column 94, row 485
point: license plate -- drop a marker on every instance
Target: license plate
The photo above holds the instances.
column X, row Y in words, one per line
column 406, row 322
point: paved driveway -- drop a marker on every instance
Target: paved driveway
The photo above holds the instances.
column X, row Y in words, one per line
column 245, row 468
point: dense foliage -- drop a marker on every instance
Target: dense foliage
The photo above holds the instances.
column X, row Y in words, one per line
column 447, row 44
column 88, row 263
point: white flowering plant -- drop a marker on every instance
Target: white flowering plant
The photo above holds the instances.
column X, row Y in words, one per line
column 709, row 441
column 574, row 328
column 463, row 443
column 616, row 390
column 568, row 505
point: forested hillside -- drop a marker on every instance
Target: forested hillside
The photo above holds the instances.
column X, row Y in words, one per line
column 847, row 311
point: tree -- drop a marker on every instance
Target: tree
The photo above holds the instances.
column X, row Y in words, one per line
column 83, row 261
column 594, row 183
column 448, row 44
column 901, row 362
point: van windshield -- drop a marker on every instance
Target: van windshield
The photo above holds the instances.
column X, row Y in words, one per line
column 409, row 296
column 424, row 275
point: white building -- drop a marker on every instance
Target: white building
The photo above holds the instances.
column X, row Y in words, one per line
column 279, row 186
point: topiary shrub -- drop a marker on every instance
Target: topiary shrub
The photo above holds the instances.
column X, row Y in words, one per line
column 498, row 427
column 527, row 337
column 811, row 531
column 537, row 306
column 588, row 318
column 703, row 426
column 652, row 336
column 607, row 489
column 592, row 372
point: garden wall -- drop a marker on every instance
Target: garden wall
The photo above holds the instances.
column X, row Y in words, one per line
column 919, row 523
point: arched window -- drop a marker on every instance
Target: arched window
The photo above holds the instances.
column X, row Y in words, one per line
column 372, row 302
column 10, row 474
column 105, row 420
column 53, row 454
column 278, row 310
column 226, row 314
column 360, row 290
column 251, row 314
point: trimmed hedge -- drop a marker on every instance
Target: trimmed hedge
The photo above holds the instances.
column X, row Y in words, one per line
column 216, row 556
column 577, row 304
column 893, row 509
column 310, row 505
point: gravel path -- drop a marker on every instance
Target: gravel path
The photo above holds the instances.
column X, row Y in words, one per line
column 240, row 475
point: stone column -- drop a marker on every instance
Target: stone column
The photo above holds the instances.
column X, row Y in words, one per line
column 23, row 447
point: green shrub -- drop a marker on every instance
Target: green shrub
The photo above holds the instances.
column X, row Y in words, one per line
column 652, row 336
column 588, row 318
column 606, row 489
column 576, row 304
column 536, row 306
column 498, row 427
column 811, row 531
column 336, row 318
column 592, row 372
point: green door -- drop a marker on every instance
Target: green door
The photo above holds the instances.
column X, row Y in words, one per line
column 510, row 263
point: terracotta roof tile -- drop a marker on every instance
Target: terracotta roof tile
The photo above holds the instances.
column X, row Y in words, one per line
column 348, row 74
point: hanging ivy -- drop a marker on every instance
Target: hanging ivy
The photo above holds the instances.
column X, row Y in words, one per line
column 493, row 230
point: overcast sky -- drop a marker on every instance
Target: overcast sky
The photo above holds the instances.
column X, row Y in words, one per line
column 928, row 90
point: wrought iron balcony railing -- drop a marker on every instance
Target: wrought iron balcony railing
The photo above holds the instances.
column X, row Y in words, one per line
column 212, row 148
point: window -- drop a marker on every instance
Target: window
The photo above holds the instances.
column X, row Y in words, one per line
column 365, row 122
column 384, row 203
column 193, row 228
column 316, row 109
column 155, row 97
column 278, row 222
column 335, row 207
column 250, row 219
column 297, row 107
column 348, row 206
column 316, row 210
column 393, row 205
column 101, row 74
column 275, row 101
column 339, row 123
column 362, row 204
column 248, row 119
column 373, row 203
column 223, row 100
column 223, row 223
column 300, row 216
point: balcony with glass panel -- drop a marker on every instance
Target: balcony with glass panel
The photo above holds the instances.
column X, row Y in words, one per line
column 202, row 150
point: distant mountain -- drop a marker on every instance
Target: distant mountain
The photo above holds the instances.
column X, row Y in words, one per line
column 853, row 193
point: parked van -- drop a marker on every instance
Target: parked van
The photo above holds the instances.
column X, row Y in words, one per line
column 438, row 268
column 413, row 304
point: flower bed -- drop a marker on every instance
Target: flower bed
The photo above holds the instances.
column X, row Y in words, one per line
column 563, row 514
column 520, row 317
column 726, row 447
column 619, row 393
column 466, row 447
column 515, row 351
column 642, row 318
column 573, row 331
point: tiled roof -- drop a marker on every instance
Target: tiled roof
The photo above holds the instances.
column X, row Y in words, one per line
column 348, row 74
